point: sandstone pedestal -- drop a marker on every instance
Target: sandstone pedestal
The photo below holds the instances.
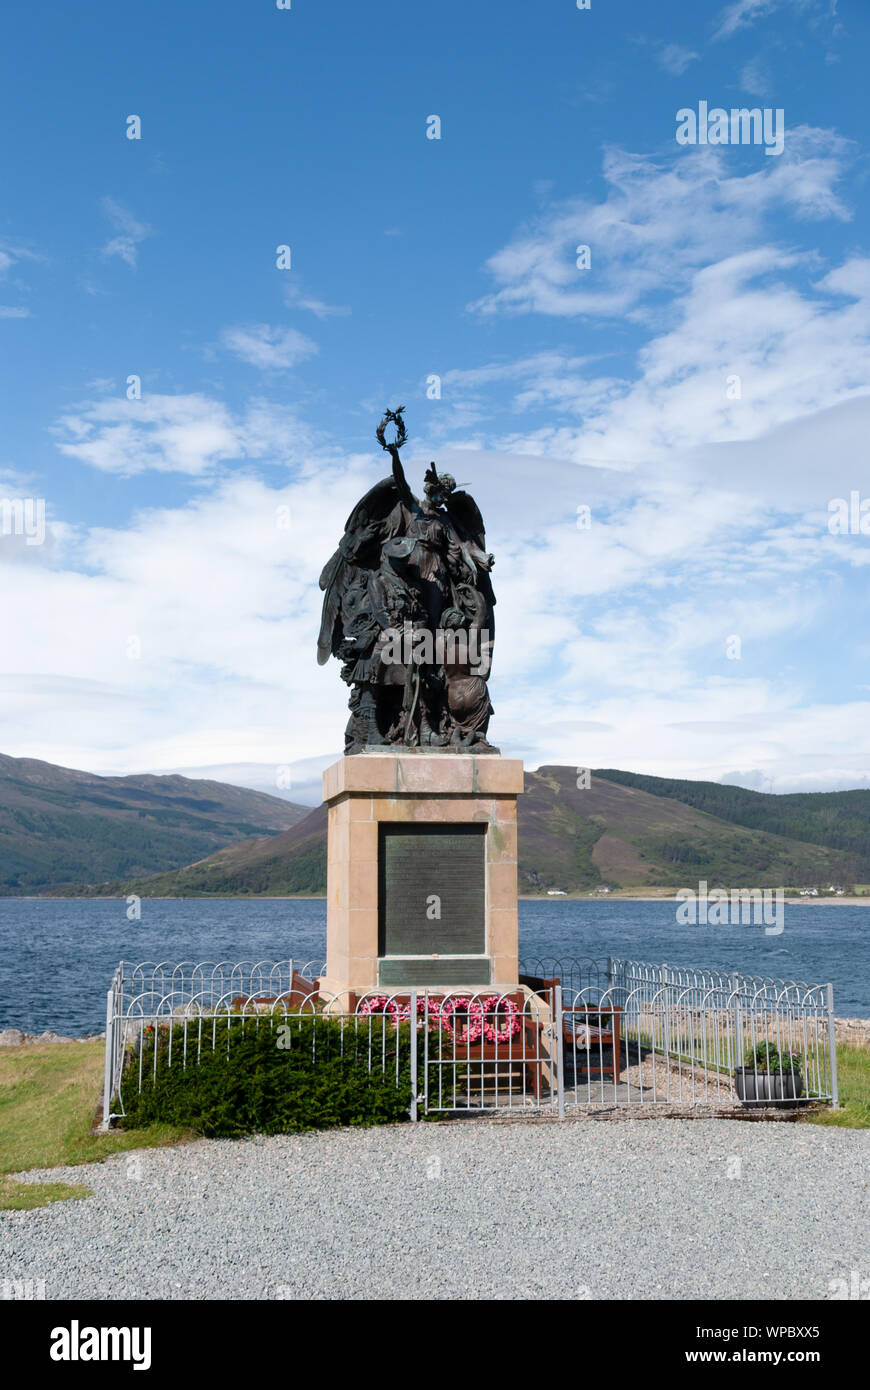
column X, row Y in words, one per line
column 422, row 871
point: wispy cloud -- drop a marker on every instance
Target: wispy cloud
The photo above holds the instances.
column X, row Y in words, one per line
column 755, row 77
column 11, row 254
column 742, row 14
column 130, row 232
column 189, row 434
column 10, row 257
column 296, row 298
column 674, row 58
column 267, row 347
column 661, row 220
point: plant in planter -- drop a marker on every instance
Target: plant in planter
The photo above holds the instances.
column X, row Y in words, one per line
column 769, row 1074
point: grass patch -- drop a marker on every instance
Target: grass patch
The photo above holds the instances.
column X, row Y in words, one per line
column 853, row 1076
column 20, row 1196
column 48, row 1095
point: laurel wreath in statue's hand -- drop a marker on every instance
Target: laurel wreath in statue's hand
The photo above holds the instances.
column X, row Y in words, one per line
column 392, row 417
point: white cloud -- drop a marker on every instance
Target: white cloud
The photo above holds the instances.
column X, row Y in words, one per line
column 295, row 298
column 222, row 597
column 794, row 353
column 11, row 254
column 267, row 347
column 130, row 232
column 10, row 257
column 674, row 58
column 190, row 434
column 755, row 78
column 735, row 307
column 742, row 14
column 660, row 221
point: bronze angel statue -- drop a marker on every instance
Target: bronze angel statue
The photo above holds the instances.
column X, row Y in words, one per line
column 408, row 608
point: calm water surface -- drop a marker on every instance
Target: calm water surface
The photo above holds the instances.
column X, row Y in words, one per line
column 57, row 956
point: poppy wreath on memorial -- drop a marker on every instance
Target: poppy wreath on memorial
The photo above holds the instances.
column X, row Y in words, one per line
column 480, row 1019
column 468, row 1020
column 400, row 1013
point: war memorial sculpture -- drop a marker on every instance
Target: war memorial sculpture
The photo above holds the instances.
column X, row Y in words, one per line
column 408, row 607
column 422, row 842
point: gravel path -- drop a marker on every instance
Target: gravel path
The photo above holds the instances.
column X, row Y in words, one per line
column 659, row 1209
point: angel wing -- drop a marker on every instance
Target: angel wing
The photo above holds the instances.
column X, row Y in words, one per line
column 465, row 515
column 360, row 530
column 467, row 522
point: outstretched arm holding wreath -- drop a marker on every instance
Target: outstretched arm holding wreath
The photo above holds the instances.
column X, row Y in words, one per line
column 395, row 417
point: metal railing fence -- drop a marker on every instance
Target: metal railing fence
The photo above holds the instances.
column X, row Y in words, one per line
column 574, row 1033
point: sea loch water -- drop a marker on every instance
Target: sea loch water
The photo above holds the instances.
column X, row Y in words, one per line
column 57, row 955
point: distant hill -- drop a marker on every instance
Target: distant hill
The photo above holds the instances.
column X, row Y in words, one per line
column 626, row 836
column 290, row 864
column 612, row 833
column 61, row 830
column 836, row 820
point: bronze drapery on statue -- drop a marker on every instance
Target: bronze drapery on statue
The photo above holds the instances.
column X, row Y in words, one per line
column 408, row 609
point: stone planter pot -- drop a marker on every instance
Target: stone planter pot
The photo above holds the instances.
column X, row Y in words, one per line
column 752, row 1085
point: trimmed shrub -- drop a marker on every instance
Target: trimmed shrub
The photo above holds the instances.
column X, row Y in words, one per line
column 265, row 1076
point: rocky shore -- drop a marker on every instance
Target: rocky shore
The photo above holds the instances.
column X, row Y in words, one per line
column 855, row 1031
column 13, row 1037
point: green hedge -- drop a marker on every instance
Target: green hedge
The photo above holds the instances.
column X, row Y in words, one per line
column 269, row 1077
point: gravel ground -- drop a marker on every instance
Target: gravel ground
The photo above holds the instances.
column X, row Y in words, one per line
column 663, row 1209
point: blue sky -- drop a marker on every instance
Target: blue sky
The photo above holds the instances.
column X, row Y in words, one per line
column 168, row 620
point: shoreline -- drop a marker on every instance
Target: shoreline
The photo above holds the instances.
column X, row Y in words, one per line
column 617, row 896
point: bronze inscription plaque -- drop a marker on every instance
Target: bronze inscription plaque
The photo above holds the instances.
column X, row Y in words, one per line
column 431, row 890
